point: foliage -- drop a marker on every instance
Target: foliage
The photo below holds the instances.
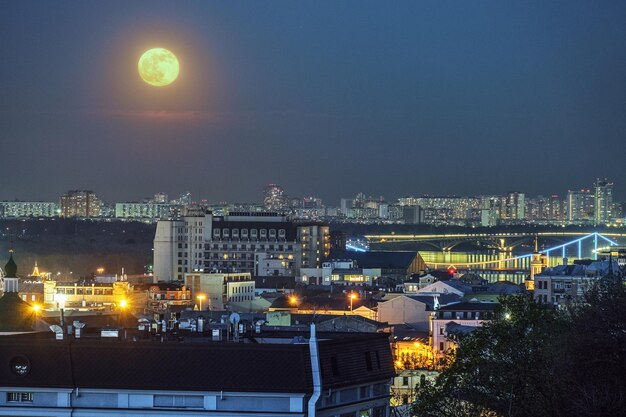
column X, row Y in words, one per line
column 536, row 361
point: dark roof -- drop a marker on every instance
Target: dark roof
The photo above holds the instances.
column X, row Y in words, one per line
column 10, row 269
column 16, row 315
column 162, row 286
column 459, row 329
column 377, row 259
column 429, row 300
column 469, row 306
column 275, row 282
column 210, row 366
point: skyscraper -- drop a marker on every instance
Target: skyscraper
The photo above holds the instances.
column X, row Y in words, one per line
column 603, row 201
column 580, row 206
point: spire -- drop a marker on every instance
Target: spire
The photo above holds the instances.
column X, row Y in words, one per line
column 35, row 271
column 10, row 280
column 536, row 245
column 10, row 268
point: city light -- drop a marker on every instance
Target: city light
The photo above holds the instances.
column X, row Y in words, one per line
column 200, row 297
column 123, row 303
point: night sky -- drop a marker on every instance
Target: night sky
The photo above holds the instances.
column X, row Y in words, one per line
column 326, row 98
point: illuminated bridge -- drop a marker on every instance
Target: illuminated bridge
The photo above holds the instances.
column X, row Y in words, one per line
column 566, row 242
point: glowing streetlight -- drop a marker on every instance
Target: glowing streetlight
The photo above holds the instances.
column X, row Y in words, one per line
column 36, row 308
column 200, row 298
column 352, row 297
column 293, row 300
column 61, row 299
column 123, row 303
column 507, row 316
column 100, row 270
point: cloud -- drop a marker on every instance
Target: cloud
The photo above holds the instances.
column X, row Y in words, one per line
column 197, row 116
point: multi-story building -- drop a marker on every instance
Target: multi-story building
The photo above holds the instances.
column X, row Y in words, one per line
column 80, row 203
column 457, row 318
column 84, row 294
column 603, row 202
column 514, row 207
column 326, row 375
column 143, row 211
column 22, row 209
column 274, row 198
column 580, row 206
column 202, row 242
column 567, row 283
column 217, row 291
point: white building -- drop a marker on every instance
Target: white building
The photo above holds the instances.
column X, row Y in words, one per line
column 20, row 209
column 202, row 242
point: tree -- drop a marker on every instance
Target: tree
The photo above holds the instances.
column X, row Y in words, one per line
column 532, row 360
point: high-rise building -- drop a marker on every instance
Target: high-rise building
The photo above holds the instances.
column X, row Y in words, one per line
column 202, row 242
column 274, row 198
column 555, row 208
column 580, row 206
column 603, row 201
column 80, row 203
column 514, row 206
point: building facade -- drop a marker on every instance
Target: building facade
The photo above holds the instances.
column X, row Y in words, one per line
column 80, row 203
column 202, row 242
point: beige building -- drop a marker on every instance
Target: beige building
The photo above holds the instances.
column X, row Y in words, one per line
column 216, row 291
column 84, row 294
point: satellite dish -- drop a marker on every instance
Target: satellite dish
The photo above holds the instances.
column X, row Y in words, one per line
column 78, row 324
column 234, row 318
column 56, row 329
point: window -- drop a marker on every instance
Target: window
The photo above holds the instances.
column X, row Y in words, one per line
column 441, row 346
column 405, row 381
column 334, row 366
column 180, row 401
column 441, row 331
column 368, row 361
column 20, row 397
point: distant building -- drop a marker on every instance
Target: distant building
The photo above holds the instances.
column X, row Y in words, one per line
column 219, row 290
column 603, row 202
column 274, row 198
column 80, row 203
column 24, row 209
column 580, row 206
column 143, row 211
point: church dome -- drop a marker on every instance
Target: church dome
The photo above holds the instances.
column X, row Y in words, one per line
column 10, row 269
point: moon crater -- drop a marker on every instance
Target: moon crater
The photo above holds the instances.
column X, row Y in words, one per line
column 158, row 67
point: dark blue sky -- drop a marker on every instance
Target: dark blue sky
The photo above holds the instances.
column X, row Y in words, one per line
column 326, row 98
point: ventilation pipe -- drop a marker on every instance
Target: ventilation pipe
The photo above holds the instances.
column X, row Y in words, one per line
column 315, row 370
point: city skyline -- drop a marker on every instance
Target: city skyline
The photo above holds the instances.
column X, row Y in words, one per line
column 446, row 99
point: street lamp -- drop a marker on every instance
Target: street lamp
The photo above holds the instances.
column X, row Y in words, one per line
column 353, row 297
column 200, row 298
column 293, row 300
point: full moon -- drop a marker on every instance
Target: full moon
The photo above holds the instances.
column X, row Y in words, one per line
column 158, row 67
